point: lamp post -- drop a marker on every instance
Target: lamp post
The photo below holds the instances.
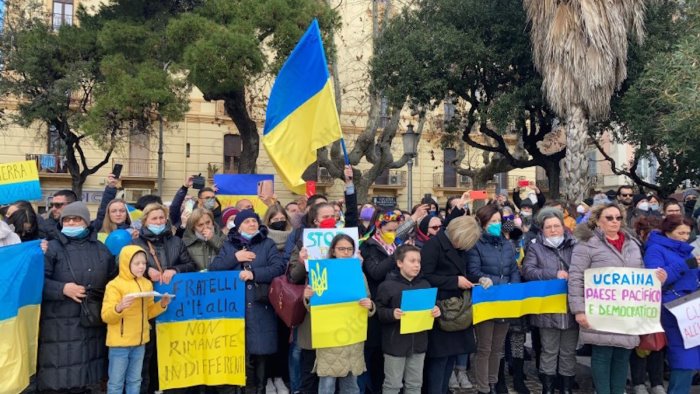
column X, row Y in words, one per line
column 410, row 144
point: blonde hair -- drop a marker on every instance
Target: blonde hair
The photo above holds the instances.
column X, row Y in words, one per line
column 598, row 211
column 107, row 224
column 463, row 232
column 274, row 210
column 197, row 215
column 153, row 207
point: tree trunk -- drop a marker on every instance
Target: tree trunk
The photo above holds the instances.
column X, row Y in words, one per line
column 235, row 106
column 553, row 171
column 575, row 164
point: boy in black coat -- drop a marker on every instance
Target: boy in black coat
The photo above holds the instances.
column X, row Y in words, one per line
column 404, row 354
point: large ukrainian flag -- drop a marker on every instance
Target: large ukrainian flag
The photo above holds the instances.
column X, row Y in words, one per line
column 21, row 283
column 519, row 299
column 301, row 113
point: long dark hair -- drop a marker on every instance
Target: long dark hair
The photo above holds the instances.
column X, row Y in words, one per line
column 25, row 221
column 338, row 238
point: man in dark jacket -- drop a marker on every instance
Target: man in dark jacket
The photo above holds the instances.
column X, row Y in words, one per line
column 48, row 226
column 404, row 354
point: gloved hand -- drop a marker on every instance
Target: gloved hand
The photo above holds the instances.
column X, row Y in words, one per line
column 692, row 263
column 485, row 282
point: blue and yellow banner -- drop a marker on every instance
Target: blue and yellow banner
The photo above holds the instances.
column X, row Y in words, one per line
column 301, row 113
column 417, row 307
column 201, row 337
column 19, row 181
column 21, row 284
column 519, row 299
column 236, row 187
column 337, row 319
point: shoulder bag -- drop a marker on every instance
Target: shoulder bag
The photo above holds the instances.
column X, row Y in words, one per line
column 287, row 299
column 456, row 312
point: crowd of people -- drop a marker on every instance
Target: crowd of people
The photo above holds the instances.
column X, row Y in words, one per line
column 509, row 239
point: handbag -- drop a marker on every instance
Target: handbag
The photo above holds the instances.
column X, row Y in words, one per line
column 287, row 299
column 456, row 312
column 652, row 342
column 91, row 305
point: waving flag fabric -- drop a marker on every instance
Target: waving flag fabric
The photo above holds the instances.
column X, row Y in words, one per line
column 519, row 299
column 301, row 113
column 21, row 283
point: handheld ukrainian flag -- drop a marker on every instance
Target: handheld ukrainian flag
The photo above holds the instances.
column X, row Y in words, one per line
column 21, row 284
column 236, row 187
column 417, row 307
column 519, row 299
column 134, row 216
column 301, row 113
column 337, row 318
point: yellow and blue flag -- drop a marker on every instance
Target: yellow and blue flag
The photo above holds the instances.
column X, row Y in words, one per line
column 301, row 113
column 417, row 307
column 19, row 181
column 21, row 284
column 519, row 299
column 201, row 337
column 337, row 319
column 235, row 187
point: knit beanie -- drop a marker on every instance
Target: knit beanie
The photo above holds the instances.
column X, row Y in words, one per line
column 637, row 198
column 227, row 213
column 243, row 215
column 77, row 208
column 690, row 192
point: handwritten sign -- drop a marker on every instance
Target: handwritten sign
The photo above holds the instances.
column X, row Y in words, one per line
column 687, row 312
column 317, row 241
column 19, row 181
column 623, row 300
column 201, row 337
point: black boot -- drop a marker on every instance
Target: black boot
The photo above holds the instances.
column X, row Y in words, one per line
column 519, row 376
column 501, row 387
column 548, row 384
column 567, row 385
column 493, row 389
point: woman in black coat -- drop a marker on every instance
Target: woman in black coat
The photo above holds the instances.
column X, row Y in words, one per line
column 72, row 357
column 444, row 265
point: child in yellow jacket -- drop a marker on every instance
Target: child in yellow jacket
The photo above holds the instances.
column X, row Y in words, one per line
column 127, row 313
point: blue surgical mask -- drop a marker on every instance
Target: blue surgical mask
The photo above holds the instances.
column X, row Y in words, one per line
column 209, row 203
column 494, row 229
column 249, row 236
column 74, row 231
column 156, row 229
column 654, row 207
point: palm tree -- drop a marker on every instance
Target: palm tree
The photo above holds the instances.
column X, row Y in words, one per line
column 580, row 48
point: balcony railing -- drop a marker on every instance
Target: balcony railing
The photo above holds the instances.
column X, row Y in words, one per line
column 461, row 182
column 395, row 178
column 138, row 168
column 48, row 163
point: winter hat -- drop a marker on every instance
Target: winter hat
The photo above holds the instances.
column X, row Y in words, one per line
column 243, row 215
column 690, row 192
column 77, row 208
column 637, row 198
column 526, row 203
column 588, row 201
column 423, row 226
column 503, row 192
column 227, row 213
column 611, row 194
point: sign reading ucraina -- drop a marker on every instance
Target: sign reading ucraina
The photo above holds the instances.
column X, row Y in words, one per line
column 623, row 300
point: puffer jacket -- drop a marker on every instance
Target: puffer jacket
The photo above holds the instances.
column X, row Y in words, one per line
column 494, row 258
column 593, row 251
column 170, row 250
column 130, row 326
column 389, row 298
column 201, row 251
column 71, row 356
column 260, row 318
column 376, row 264
column 542, row 262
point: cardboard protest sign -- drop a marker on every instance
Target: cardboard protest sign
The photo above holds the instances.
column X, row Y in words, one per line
column 687, row 312
column 19, row 181
column 417, row 307
column 337, row 319
column 317, row 241
column 623, row 300
column 201, row 337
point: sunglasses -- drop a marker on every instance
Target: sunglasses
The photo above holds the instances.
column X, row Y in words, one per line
column 435, row 227
column 613, row 218
column 627, row 195
column 57, row 204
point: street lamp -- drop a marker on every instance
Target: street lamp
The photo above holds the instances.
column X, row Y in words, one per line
column 410, row 145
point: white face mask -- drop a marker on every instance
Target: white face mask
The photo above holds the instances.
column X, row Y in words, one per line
column 580, row 209
column 555, row 241
column 525, row 214
column 644, row 206
column 231, row 224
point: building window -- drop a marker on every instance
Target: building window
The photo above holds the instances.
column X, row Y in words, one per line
column 232, row 153
column 56, row 146
column 62, row 13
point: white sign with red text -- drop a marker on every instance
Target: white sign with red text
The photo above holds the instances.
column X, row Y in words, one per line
column 687, row 312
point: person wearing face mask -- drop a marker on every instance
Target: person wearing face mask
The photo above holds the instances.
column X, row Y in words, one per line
column 690, row 199
column 535, row 197
column 640, row 207
column 206, row 198
column 72, row 357
column 491, row 262
column 227, row 218
column 583, row 210
column 167, row 255
column 549, row 257
column 202, row 238
column 249, row 251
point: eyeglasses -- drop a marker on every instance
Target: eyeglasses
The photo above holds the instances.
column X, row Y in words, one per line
column 344, row 249
column 435, row 227
column 57, row 204
column 626, row 195
column 613, row 218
